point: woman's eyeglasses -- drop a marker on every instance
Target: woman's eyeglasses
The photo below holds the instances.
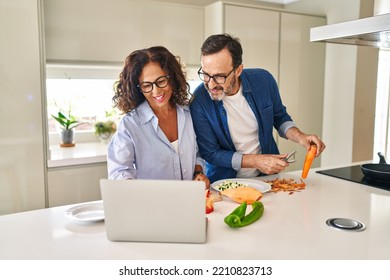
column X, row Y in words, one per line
column 160, row 82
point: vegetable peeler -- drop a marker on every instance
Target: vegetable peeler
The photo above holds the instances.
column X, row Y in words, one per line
column 290, row 158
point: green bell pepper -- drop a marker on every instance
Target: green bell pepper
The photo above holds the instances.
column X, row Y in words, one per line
column 234, row 218
column 238, row 219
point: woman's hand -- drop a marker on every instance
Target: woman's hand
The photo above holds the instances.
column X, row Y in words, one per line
column 204, row 178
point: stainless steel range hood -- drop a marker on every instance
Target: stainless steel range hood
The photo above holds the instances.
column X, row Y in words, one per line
column 372, row 31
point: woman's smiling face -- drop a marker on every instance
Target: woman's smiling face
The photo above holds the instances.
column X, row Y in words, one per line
column 159, row 96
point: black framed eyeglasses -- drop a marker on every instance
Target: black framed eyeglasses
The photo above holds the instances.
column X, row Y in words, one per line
column 160, row 82
column 219, row 79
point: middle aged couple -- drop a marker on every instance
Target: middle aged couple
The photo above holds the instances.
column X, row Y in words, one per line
column 224, row 130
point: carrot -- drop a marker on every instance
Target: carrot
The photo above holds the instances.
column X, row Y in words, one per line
column 311, row 154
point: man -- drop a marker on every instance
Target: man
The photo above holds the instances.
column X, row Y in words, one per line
column 234, row 114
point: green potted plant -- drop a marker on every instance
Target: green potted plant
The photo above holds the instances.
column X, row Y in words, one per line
column 105, row 129
column 67, row 123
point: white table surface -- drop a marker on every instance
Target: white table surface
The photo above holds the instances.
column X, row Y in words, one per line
column 292, row 227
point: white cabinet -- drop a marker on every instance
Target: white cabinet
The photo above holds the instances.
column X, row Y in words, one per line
column 101, row 30
column 258, row 31
column 76, row 184
column 279, row 42
column 22, row 149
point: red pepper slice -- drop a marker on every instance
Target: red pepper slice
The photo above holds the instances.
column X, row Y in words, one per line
column 209, row 203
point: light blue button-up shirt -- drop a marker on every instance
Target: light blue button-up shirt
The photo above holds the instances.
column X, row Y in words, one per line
column 140, row 150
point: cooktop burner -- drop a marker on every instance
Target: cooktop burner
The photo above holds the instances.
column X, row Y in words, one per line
column 354, row 174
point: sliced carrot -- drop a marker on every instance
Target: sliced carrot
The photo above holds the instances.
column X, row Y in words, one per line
column 311, row 154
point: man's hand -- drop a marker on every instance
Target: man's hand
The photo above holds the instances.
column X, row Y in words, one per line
column 305, row 140
column 267, row 164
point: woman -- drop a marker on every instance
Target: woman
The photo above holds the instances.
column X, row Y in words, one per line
column 155, row 139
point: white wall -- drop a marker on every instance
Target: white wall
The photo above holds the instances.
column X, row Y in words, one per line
column 345, row 117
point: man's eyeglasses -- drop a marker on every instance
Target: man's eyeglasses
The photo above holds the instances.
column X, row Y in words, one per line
column 160, row 82
column 219, row 79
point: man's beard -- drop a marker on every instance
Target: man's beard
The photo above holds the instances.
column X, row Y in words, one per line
column 220, row 95
column 216, row 97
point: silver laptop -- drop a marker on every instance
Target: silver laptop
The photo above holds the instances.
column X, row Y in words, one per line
column 154, row 210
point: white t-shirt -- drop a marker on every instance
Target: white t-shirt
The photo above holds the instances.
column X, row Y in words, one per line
column 243, row 129
column 175, row 145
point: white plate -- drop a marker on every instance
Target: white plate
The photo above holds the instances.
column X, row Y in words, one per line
column 259, row 185
column 88, row 212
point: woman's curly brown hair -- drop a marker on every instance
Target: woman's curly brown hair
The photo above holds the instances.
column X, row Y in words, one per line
column 128, row 96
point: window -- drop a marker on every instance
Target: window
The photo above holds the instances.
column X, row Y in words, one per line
column 381, row 137
column 87, row 99
column 84, row 89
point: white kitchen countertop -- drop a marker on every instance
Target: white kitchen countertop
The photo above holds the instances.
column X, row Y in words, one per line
column 81, row 153
column 292, row 227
